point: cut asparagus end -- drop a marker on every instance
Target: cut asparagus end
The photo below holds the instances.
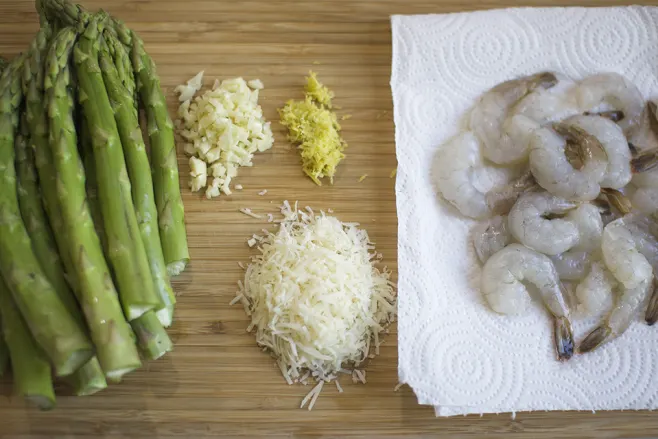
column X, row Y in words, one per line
column 152, row 338
column 89, row 379
column 166, row 316
column 74, row 362
column 176, row 268
column 134, row 312
column 43, row 402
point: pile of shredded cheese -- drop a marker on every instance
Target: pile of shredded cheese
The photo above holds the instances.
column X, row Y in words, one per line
column 316, row 298
column 222, row 128
column 314, row 126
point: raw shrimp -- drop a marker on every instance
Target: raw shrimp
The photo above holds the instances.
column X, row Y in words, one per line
column 622, row 256
column 501, row 135
column 501, row 200
column 572, row 265
column 464, row 178
column 627, row 306
column 491, row 236
column 595, row 292
column 503, row 278
column 528, row 224
column 618, row 171
column 552, row 169
column 611, row 91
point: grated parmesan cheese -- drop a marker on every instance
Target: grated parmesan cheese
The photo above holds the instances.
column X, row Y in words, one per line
column 248, row 212
column 224, row 127
column 316, row 299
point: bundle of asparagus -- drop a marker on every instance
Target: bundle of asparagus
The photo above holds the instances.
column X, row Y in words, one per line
column 91, row 227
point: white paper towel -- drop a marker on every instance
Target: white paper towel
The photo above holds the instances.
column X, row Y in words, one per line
column 454, row 352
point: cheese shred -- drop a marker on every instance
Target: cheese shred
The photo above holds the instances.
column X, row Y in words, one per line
column 316, row 298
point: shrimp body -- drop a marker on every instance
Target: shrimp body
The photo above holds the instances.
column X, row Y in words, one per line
column 622, row 256
column 595, row 292
column 572, row 265
column 501, row 136
column 528, row 224
column 645, row 200
column 503, row 278
column 607, row 91
column 491, row 236
column 587, row 219
column 554, row 172
column 618, row 172
column 464, row 178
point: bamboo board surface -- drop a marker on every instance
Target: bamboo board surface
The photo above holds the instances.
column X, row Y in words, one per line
column 217, row 382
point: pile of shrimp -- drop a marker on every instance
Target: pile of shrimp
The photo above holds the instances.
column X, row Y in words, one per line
column 564, row 178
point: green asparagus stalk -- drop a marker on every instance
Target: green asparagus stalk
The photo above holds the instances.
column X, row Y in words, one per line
column 89, row 378
column 171, row 213
column 126, row 251
column 63, row 13
column 152, row 337
column 97, row 295
column 33, row 198
column 55, row 330
column 120, row 88
column 32, row 374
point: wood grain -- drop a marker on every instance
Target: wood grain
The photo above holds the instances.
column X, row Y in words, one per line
column 217, row 382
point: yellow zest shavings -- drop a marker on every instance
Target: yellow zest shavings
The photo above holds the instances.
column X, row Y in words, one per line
column 363, row 177
column 394, row 172
column 346, row 117
column 313, row 126
column 317, row 91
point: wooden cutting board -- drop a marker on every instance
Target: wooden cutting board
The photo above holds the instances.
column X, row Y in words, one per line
column 217, row 382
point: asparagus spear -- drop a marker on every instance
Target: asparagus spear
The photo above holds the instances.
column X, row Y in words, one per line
column 89, row 378
column 126, row 251
column 120, row 86
column 171, row 213
column 31, row 370
column 152, row 337
column 98, row 298
column 54, row 329
column 3, row 64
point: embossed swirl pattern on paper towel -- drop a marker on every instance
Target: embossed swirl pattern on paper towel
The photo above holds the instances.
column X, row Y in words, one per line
column 455, row 352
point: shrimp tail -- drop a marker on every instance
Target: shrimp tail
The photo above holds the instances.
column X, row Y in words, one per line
column 651, row 316
column 564, row 344
column 544, row 80
column 644, row 161
column 618, row 200
column 595, row 339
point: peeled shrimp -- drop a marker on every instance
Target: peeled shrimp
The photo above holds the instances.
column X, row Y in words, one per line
column 464, row 178
column 611, row 91
column 500, row 134
column 503, row 278
column 529, row 226
column 622, row 256
column 618, row 171
column 491, row 236
column 595, row 292
column 552, row 169
column 626, row 308
column 624, row 259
